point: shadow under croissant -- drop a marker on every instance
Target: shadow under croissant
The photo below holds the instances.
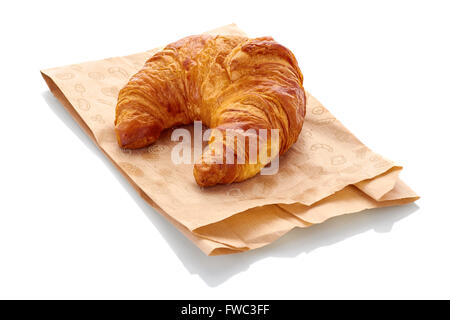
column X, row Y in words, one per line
column 215, row 270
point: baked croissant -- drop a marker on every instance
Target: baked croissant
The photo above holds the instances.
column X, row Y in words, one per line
column 231, row 84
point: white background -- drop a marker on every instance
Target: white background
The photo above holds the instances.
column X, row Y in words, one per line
column 71, row 226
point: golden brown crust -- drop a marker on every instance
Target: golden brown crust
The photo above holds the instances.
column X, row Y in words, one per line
column 227, row 82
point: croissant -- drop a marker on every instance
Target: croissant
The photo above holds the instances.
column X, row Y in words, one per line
column 231, row 84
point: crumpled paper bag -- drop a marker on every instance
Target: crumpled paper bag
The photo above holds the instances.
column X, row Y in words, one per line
column 328, row 172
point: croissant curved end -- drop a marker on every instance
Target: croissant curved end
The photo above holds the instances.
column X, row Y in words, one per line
column 132, row 136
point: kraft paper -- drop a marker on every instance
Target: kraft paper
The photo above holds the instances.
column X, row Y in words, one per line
column 327, row 173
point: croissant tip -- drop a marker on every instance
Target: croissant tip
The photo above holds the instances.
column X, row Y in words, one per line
column 211, row 174
column 203, row 175
column 131, row 136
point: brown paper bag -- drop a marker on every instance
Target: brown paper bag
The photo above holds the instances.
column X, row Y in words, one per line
column 328, row 172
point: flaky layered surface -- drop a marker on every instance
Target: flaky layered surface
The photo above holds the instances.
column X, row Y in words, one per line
column 231, row 84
